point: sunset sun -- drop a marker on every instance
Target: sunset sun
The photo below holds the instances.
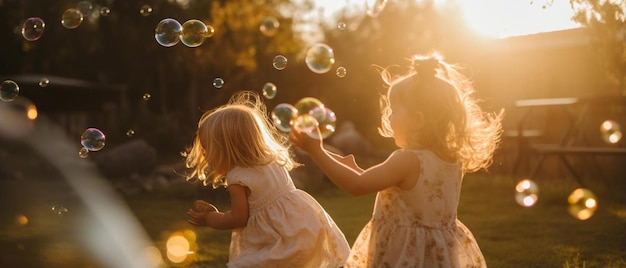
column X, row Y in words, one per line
column 491, row 18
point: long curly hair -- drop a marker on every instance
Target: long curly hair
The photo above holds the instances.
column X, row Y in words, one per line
column 237, row 134
column 453, row 122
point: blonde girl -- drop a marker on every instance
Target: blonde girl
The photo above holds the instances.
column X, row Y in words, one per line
column 273, row 224
column 441, row 133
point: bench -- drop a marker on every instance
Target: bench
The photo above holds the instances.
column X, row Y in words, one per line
column 572, row 141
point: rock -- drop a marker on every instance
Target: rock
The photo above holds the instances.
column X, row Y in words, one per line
column 133, row 157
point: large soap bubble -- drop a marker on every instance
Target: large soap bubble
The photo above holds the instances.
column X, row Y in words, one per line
column 194, row 32
column 282, row 115
column 32, row 29
column 167, row 32
column 72, row 18
column 9, row 90
column 92, row 139
column 320, row 58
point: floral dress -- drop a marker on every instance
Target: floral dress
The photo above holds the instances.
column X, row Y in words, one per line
column 418, row 227
column 286, row 226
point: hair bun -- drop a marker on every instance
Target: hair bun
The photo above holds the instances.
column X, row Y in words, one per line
column 427, row 67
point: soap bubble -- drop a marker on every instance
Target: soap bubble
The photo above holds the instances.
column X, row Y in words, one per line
column 92, row 139
column 193, row 33
column 145, row 10
column 269, row 26
column 269, row 91
column 9, row 90
column 282, row 115
column 526, row 193
column 210, row 31
column 146, row 97
column 83, row 153
column 105, row 11
column 582, row 203
column 611, row 131
column 72, row 18
column 84, row 7
column 320, row 58
column 218, row 82
column 59, row 210
column 341, row 26
column 44, row 82
column 306, row 123
column 32, row 29
column 279, row 62
column 167, row 32
column 306, row 104
column 327, row 120
column 341, row 72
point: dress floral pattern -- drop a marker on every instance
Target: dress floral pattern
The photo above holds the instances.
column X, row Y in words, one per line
column 418, row 227
column 286, row 226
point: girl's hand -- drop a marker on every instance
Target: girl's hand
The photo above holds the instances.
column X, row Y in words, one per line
column 198, row 218
column 199, row 213
column 202, row 206
column 303, row 141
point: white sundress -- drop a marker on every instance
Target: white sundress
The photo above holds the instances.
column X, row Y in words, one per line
column 286, row 226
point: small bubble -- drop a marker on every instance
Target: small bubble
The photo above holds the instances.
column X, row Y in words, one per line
column 130, row 133
column 269, row 91
column 269, row 26
column 526, row 193
column 83, row 153
column 341, row 72
column 341, row 26
column 84, row 7
column 105, row 11
column 145, row 10
column 611, row 131
column 146, row 97
column 582, row 203
column 218, row 82
column 44, row 82
column 59, row 210
column 279, row 62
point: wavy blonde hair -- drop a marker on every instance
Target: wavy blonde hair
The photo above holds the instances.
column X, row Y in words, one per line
column 453, row 122
column 238, row 134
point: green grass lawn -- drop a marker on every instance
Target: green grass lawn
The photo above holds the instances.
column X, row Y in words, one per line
column 509, row 235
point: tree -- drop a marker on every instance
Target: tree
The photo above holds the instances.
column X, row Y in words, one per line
column 606, row 19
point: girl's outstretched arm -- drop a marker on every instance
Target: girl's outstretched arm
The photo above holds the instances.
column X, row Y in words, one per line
column 237, row 217
column 347, row 160
column 400, row 169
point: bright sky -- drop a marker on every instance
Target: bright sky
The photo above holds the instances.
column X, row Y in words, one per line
column 499, row 19
column 496, row 18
